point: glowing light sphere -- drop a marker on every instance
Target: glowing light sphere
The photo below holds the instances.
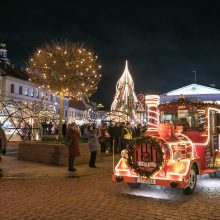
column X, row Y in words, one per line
column 65, row 67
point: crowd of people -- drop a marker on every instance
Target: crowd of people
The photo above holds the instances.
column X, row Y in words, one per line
column 118, row 135
column 107, row 137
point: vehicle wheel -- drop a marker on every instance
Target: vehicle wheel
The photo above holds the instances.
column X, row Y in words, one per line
column 134, row 185
column 212, row 175
column 192, row 182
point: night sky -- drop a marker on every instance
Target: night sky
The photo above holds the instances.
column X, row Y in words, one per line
column 164, row 41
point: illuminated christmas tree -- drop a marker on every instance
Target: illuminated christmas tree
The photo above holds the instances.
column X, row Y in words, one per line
column 125, row 98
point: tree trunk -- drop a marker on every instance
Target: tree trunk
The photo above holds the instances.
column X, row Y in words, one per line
column 60, row 136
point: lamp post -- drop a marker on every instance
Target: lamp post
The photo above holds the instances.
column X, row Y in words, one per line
column 99, row 107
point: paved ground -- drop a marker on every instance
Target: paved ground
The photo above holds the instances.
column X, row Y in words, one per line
column 14, row 168
column 92, row 195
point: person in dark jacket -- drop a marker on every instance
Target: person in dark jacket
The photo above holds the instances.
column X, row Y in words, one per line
column 117, row 135
column 3, row 142
column 64, row 129
column 73, row 149
column 93, row 145
column 3, row 145
column 111, row 133
column 138, row 131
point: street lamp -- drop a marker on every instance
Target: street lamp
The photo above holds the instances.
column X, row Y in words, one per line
column 99, row 107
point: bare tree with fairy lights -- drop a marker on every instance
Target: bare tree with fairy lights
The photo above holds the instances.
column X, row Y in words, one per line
column 65, row 69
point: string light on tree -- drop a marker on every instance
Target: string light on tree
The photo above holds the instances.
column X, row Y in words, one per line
column 67, row 68
column 125, row 97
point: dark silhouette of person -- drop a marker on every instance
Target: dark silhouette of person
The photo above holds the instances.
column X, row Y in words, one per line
column 64, row 129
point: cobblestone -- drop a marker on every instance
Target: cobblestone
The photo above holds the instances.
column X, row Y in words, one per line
column 96, row 197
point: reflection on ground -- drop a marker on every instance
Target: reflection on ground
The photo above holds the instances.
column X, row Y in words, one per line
column 204, row 184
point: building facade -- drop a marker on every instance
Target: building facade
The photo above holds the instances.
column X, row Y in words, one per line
column 15, row 85
column 193, row 91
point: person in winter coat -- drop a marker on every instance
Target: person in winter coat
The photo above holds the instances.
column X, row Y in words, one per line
column 64, row 128
column 104, row 139
column 93, row 145
column 3, row 142
column 73, row 149
column 117, row 135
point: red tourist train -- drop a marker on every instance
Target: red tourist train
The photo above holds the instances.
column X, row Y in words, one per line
column 182, row 142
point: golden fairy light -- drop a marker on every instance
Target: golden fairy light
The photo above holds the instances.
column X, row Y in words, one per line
column 65, row 64
column 65, row 68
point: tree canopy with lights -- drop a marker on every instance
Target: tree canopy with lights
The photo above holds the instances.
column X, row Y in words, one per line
column 65, row 69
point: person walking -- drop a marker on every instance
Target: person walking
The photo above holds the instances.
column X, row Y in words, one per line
column 73, row 148
column 93, row 145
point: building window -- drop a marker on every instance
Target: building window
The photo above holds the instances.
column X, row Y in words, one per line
column 26, row 91
column 37, row 94
column 65, row 113
column 12, row 88
column 20, row 90
column 32, row 93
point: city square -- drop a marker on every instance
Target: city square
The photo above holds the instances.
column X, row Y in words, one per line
column 109, row 110
column 46, row 193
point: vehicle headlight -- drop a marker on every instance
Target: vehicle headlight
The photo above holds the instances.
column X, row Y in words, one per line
column 178, row 167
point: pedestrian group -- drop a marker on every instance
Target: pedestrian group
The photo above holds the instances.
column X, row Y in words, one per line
column 107, row 138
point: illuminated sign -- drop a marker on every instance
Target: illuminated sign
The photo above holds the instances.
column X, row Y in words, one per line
column 146, row 164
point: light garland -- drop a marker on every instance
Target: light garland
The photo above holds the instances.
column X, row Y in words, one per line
column 132, row 149
column 152, row 101
column 65, row 67
column 125, row 98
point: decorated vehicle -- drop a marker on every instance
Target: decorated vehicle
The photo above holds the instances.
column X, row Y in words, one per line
column 182, row 142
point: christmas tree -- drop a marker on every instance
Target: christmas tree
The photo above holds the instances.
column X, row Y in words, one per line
column 125, row 98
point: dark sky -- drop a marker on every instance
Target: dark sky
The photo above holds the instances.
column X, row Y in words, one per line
column 164, row 41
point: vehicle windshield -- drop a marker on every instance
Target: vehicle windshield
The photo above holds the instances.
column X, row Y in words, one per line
column 189, row 119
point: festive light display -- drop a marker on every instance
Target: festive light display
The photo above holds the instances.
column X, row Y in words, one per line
column 65, row 69
column 156, row 145
column 152, row 102
column 168, row 158
column 19, row 122
column 45, row 113
column 125, row 98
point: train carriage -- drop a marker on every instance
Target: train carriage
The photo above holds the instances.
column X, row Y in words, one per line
column 182, row 142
